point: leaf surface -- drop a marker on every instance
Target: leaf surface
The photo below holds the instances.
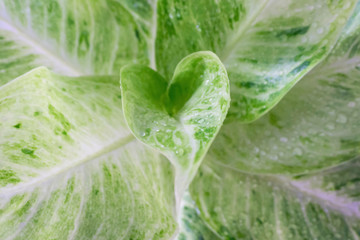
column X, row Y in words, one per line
column 180, row 118
column 192, row 227
column 244, row 206
column 315, row 129
column 266, row 46
column 74, row 37
column 317, row 125
column 70, row 168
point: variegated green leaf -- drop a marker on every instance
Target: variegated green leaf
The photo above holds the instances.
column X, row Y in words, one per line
column 315, row 126
column 74, row 37
column 69, row 167
column 266, row 46
column 322, row 206
column 180, row 117
column 192, row 227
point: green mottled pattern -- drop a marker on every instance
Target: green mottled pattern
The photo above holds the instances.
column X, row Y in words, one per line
column 192, row 227
column 315, row 126
column 344, row 179
column 59, row 120
column 244, row 206
column 266, row 46
column 15, row 58
column 74, row 37
column 124, row 194
column 180, row 117
column 69, row 167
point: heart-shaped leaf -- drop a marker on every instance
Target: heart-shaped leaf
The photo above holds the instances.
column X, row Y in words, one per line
column 266, row 46
column 180, row 117
column 315, row 129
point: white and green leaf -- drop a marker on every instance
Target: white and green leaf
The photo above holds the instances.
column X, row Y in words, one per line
column 192, row 227
column 70, row 168
column 316, row 125
column 315, row 128
column 180, row 117
column 238, row 205
column 74, row 37
column 266, row 46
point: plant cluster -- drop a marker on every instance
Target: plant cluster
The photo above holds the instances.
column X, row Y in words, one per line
column 180, row 119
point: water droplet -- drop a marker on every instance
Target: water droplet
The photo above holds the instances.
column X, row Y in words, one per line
column 197, row 210
column 330, row 126
column 351, row 104
column 283, row 139
column 341, row 119
column 146, row 132
column 297, row 151
column 179, row 152
column 346, row 6
column 320, row 30
column 198, row 28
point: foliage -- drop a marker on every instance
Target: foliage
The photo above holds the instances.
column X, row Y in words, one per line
column 180, row 119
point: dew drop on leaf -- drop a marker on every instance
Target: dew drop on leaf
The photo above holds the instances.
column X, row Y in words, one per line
column 341, row 119
column 351, row 104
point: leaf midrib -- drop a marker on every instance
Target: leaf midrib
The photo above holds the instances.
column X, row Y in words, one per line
column 30, row 185
column 33, row 43
column 293, row 187
column 234, row 40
